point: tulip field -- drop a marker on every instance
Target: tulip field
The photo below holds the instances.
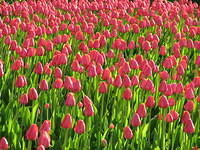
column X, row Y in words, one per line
column 100, row 75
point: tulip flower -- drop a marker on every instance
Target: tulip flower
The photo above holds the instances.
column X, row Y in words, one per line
column 127, row 132
column 80, row 127
column 32, row 132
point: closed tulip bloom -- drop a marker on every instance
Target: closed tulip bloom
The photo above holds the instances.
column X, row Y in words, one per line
column 67, row 121
column 46, row 126
column 163, row 102
column 91, row 70
column 189, row 93
column 32, row 132
column 163, row 86
column 126, row 81
column 68, row 83
column 106, row 74
column 127, row 132
column 189, row 106
column 135, row 122
column 89, row 111
column 146, row 70
column 164, row 75
column 38, row 68
column 168, row 118
column 70, row 100
column 17, row 64
column 142, row 112
column 32, row 94
column 20, row 81
column 186, row 116
column 80, row 127
column 134, row 80
column 40, row 147
column 171, row 101
column 174, row 114
column 58, row 83
column 103, row 87
column 76, row 86
column 23, row 99
column 4, row 144
column 44, row 139
column 179, row 88
column 189, row 127
column 146, row 45
column 150, row 102
column 163, row 51
column 118, row 81
column 127, row 94
column 197, row 62
column 133, row 64
column 57, row 72
column 43, row 85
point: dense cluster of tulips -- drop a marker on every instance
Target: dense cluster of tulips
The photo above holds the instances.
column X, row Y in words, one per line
column 106, row 74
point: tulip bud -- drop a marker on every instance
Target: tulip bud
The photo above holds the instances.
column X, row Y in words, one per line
column 127, row 94
column 186, row 116
column 80, row 127
column 150, row 102
column 103, row 87
column 32, row 94
column 70, row 100
column 43, row 85
column 67, row 121
column 58, row 83
column 57, row 72
column 89, row 111
column 44, row 139
column 41, row 147
column 136, row 120
column 32, row 132
column 23, row 99
column 127, row 132
column 189, row 106
column 163, row 102
column 189, row 127
column 4, row 144
column 142, row 112
column 46, row 126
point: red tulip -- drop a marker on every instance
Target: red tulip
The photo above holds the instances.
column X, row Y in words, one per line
column 127, row 132
column 58, row 83
column 4, row 144
column 189, row 93
column 20, row 81
column 57, row 72
column 43, row 85
column 163, row 102
column 174, row 114
column 126, row 81
column 32, row 132
column 44, row 139
column 40, row 147
column 118, row 81
column 103, row 87
column 142, row 112
column 168, row 118
column 67, row 121
column 189, row 127
column 136, row 120
column 127, row 94
column 186, row 116
column 32, row 94
column 89, row 111
column 46, row 126
column 70, row 100
column 164, row 75
column 189, row 106
column 23, row 99
column 80, row 127
column 150, row 102
column 171, row 101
